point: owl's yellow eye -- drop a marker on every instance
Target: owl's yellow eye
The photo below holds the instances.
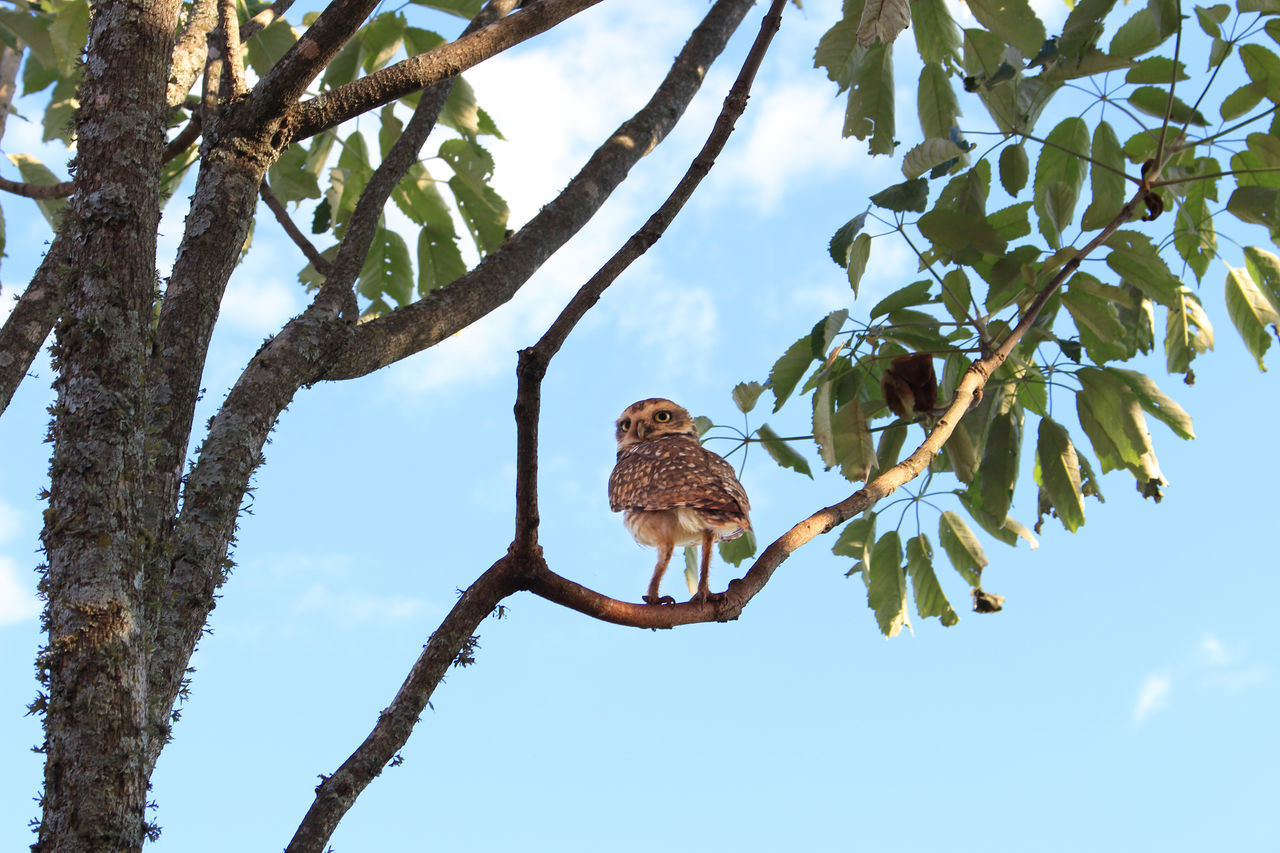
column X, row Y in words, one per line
column 662, row 416
column 624, row 424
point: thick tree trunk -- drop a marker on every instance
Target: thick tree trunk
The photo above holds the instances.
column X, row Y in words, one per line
column 95, row 722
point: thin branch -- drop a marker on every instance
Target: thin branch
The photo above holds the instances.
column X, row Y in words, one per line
column 229, row 43
column 295, row 233
column 535, row 360
column 444, row 62
column 577, row 597
column 190, row 49
column 37, row 191
column 264, row 19
column 32, row 318
column 186, row 137
column 422, row 324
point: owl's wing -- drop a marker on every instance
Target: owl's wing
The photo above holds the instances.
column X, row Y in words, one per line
column 675, row 472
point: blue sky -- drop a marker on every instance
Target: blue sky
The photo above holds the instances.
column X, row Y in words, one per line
column 1124, row 699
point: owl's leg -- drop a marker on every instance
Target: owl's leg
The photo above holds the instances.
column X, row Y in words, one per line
column 664, row 557
column 704, row 592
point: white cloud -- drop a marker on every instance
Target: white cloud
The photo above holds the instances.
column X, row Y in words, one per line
column 17, row 602
column 350, row 608
column 1153, row 696
column 259, row 305
column 678, row 328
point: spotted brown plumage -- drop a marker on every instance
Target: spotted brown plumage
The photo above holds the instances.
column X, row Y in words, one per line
column 672, row 490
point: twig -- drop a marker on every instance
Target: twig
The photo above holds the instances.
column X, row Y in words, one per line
column 308, row 248
column 40, row 192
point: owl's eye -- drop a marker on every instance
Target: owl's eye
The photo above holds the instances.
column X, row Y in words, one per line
column 662, row 416
column 624, row 424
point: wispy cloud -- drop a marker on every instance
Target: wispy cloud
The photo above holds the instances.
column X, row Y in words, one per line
column 18, row 602
column 1153, row 696
column 1212, row 664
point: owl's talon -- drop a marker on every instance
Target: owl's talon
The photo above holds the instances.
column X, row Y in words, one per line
column 655, row 599
column 704, row 597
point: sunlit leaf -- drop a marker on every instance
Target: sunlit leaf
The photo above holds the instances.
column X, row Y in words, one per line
column 734, row 551
column 1154, row 100
column 1058, row 473
column 928, row 154
column 887, row 585
column 1136, row 260
column 859, row 254
column 883, row 20
column 928, row 594
column 482, row 208
column 993, row 486
column 789, row 369
column 745, row 395
column 936, row 103
column 936, row 33
column 1251, row 312
column 962, row 547
column 1264, row 269
column 387, row 270
column 1156, row 403
column 439, row 260
column 1060, row 172
column 1187, row 332
column 916, row 293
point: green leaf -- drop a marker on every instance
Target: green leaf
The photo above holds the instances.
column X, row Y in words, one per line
column 822, row 434
column 387, row 269
column 1101, row 331
column 1211, row 18
column 1136, row 260
column 1156, row 69
column 1007, row 529
column 1060, row 172
column 910, row 196
column 916, row 293
column 962, row 547
column 1106, row 179
column 857, row 539
column 958, row 231
column 1154, row 100
column 734, row 551
column 993, row 487
column 887, row 585
column 1111, row 416
column 1263, row 67
column 1137, row 36
column 1187, row 332
column 956, row 295
column 1012, row 21
column 1242, row 100
column 789, row 369
column 419, row 199
column 858, row 257
column 745, row 395
column 33, row 31
column 869, row 113
column 1251, row 312
column 1013, row 169
column 1258, row 205
column 838, row 50
column 930, row 599
column 483, row 210
column 289, row 178
column 418, row 41
column 889, row 450
column 937, row 36
column 439, row 260
column 1264, row 269
column 1194, row 235
column 461, row 111
column 936, row 103
column 782, row 452
column 1156, row 403
column 851, row 438
column 267, row 47
column 928, row 154
column 465, row 9
column 1058, row 473
column 35, row 172
column 382, row 38
column 842, row 240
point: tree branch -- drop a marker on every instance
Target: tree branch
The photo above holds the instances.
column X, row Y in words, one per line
column 299, row 239
column 535, row 360
column 547, row 584
column 422, row 324
column 190, row 50
column 337, row 793
column 446, row 61
column 32, row 318
column 37, row 191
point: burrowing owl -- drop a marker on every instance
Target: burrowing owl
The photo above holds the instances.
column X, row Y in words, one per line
column 672, row 489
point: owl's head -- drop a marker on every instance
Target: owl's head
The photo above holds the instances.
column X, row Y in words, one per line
column 653, row 418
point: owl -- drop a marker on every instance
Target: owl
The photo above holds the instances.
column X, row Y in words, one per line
column 672, row 490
